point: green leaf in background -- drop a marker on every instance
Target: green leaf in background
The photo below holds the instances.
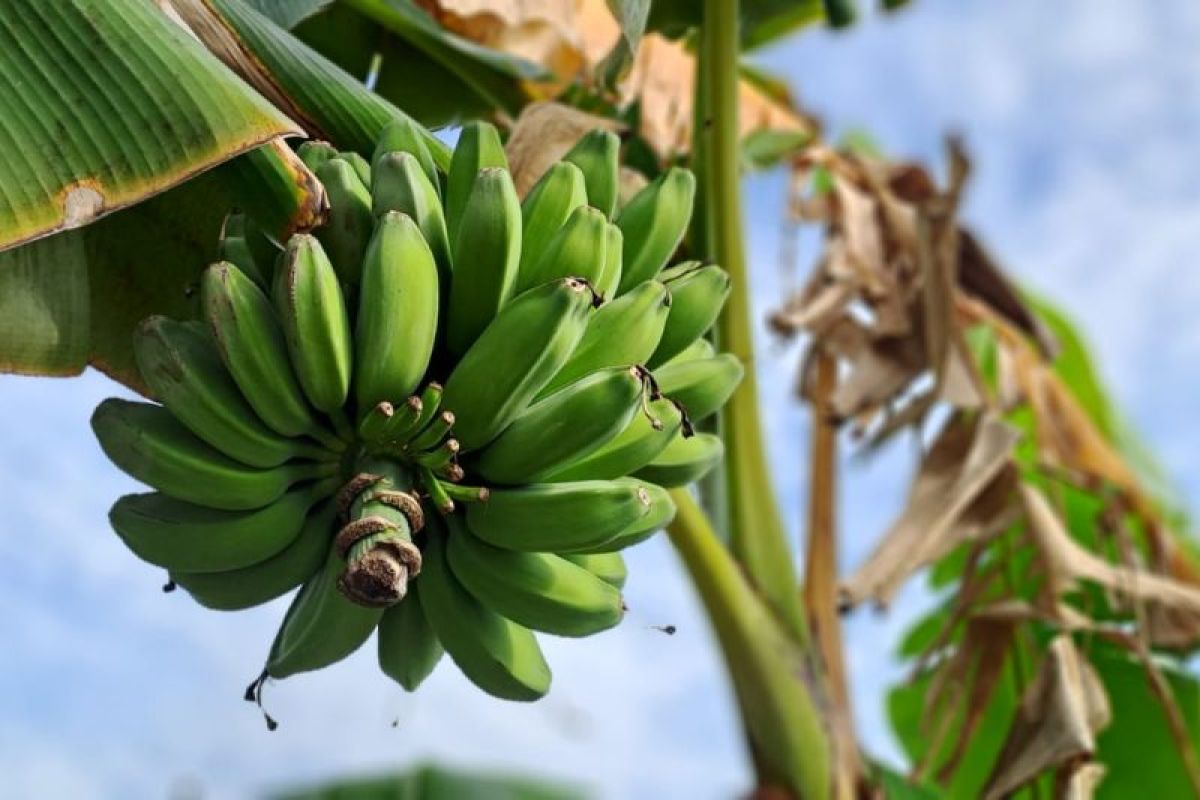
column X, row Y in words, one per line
column 288, row 13
column 1139, row 754
column 426, row 90
column 631, row 15
column 327, row 101
column 765, row 148
column 1077, row 369
column 437, row 783
column 497, row 77
column 45, row 326
column 107, row 103
column 76, row 297
column 911, row 724
column 895, row 786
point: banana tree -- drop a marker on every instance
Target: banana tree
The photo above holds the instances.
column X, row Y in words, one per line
column 127, row 186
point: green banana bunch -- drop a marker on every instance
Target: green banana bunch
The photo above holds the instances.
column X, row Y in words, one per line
column 315, row 324
column 528, row 342
column 610, row 276
column 486, row 254
column 401, row 184
column 478, row 148
column 180, row 363
column 552, row 199
column 653, row 224
column 408, row 648
column 564, row 427
column 597, row 154
column 261, row 581
column 542, row 591
column 348, row 227
column 236, row 248
column 403, row 136
column 637, row 445
column 701, row 385
column 322, row 626
column 561, row 517
column 178, row 535
column 701, row 291
column 624, row 331
column 498, row 655
column 684, row 461
column 397, row 312
column 575, row 251
column 608, row 567
column 150, row 445
column 253, row 346
column 434, row 415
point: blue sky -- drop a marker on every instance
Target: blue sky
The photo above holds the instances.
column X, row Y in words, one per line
column 1083, row 125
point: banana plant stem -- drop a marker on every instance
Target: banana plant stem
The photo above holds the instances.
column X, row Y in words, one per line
column 770, row 671
column 756, row 531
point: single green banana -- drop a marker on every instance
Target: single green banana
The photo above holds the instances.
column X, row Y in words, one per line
column 698, row 294
column 408, row 648
column 701, row 386
column 357, row 163
column 622, row 331
column 565, row 427
column 610, row 277
column 608, row 567
column 684, row 461
column 253, row 346
column 180, row 363
column 184, row 537
column 630, row 450
column 662, row 511
column 499, row 656
column 653, row 223
column 397, row 313
column 486, row 254
column 347, row 229
column 513, row 359
column 401, row 185
column 541, row 591
column 315, row 323
column 559, row 517
column 314, row 153
column 234, row 247
column 575, row 251
column 701, row 348
column 478, row 147
column 597, row 154
column 403, row 136
column 321, row 626
column 151, row 446
column 260, row 582
column 545, row 209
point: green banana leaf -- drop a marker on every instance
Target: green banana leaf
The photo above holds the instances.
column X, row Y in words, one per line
column 406, row 76
column 436, row 783
column 288, row 13
column 328, row 102
column 93, row 124
column 1141, row 757
column 497, row 77
column 75, row 298
column 1138, row 743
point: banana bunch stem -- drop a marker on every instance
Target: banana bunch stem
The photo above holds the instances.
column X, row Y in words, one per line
column 376, row 542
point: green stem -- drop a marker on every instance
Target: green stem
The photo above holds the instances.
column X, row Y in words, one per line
column 769, row 669
column 757, row 535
